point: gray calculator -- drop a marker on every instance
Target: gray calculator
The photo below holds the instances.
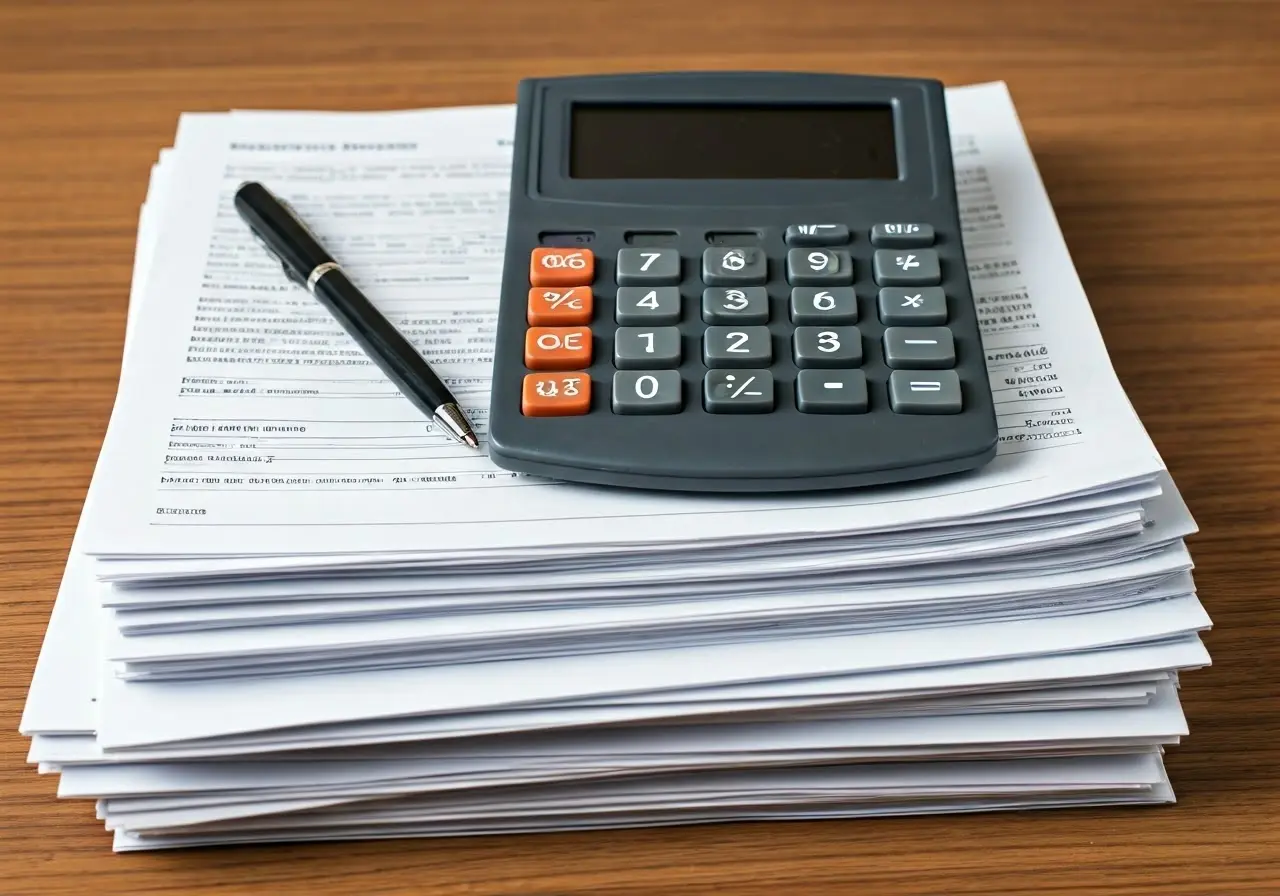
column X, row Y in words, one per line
column 736, row 282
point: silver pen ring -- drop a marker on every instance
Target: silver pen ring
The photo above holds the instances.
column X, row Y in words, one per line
column 320, row 271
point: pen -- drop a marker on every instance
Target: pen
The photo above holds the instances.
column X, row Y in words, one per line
column 307, row 264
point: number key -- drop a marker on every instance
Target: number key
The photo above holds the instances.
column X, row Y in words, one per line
column 814, row 305
column 636, row 347
column 828, row 347
column 737, row 347
column 819, row 267
column 637, row 267
column 656, row 306
column 729, row 266
column 735, row 305
column 646, row 392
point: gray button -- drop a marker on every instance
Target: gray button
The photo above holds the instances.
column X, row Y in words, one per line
column 924, row 306
column 735, row 305
column 653, row 307
column 737, row 347
column 819, row 267
column 817, row 235
column 738, row 392
column 919, row 348
column 646, row 392
column 903, row 267
column 831, row 392
column 815, row 305
column 637, row 348
column 638, row 267
column 828, row 347
column 734, row 266
column 902, row 236
column 924, row 392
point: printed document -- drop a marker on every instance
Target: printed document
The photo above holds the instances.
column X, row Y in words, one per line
column 251, row 424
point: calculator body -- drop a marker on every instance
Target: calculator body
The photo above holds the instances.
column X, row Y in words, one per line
column 736, row 282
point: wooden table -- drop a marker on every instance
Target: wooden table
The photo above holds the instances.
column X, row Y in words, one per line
column 1157, row 127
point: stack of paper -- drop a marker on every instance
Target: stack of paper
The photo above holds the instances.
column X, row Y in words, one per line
column 293, row 610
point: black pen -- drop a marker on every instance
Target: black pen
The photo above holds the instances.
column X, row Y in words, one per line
column 307, row 264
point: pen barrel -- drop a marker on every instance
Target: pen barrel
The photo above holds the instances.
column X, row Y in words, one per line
column 283, row 233
column 382, row 342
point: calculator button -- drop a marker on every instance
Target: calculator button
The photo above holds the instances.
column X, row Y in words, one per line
column 560, row 307
column 638, row 267
column 646, row 392
column 647, row 306
column 556, row 394
column 557, row 348
column 924, row 392
column 730, row 266
column 902, row 236
column 924, row 306
column 735, row 305
column 894, row 267
column 637, row 347
column 561, row 267
column 819, row 267
column 920, row 348
column 827, row 347
column 817, row 235
column 737, row 347
column 738, row 392
column 831, row 392
column 814, row 305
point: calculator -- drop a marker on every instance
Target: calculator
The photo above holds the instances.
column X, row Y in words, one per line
column 736, row 282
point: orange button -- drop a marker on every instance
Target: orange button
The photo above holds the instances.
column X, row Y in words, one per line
column 555, row 394
column 557, row 348
column 548, row 307
column 561, row 267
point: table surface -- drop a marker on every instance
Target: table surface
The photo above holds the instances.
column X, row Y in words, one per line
column 1157, row 128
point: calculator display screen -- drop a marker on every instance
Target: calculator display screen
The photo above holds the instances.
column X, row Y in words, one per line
column 733, row 142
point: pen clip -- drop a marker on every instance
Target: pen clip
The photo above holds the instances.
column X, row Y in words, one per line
column 289, row 273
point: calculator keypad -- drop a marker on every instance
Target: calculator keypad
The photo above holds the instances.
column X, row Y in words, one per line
column 734, row 312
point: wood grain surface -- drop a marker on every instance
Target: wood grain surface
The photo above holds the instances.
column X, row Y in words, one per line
column 1157, row 128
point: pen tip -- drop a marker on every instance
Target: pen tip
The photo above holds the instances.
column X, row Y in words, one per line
column 471, row 440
